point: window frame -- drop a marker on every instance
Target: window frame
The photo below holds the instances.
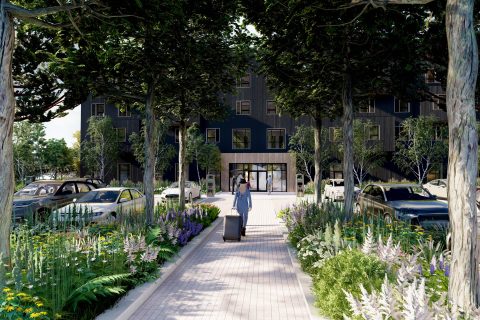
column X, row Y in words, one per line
column 128, row 112
column 284, row 138
column 249, row 141
column 217, row 137
column 368, row 128
column 125, row 130
column 129, row 170
column 238, row 107
column 94, row 106
column 240, row 83
column 370, row 107
column 331, row 133
column 267, row 110
column 395, row 99
column 435, row 102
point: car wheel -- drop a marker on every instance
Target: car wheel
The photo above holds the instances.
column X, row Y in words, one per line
column 388, row 219
column 41, row 215
column 357, row 209
column 112, row 217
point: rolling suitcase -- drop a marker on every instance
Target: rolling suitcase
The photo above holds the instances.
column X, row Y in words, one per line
column 232, row 226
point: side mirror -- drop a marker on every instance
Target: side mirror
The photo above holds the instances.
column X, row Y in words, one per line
column 75, row 200
column 122, row 200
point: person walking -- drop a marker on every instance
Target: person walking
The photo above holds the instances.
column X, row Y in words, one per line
column 243, row 203
column 269, row 184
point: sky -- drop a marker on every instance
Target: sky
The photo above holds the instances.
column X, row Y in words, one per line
column 64, row 127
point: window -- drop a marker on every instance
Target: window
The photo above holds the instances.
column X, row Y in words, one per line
column 336, row 171
column 213, row 135
column 430, row 76
column 121, row 134
column 177, row 135
column 241, row 138
column 369, row 108
column 335, row 134
column 68, row 188
column 244, row 82
column 401, row 106
column 437, row 101
column 244, row 107
column 373, row 132
column 98, row 109
column 135, row 194
column 124, row 170
column 125, row 195
column 275, row 138
column 438, row 135
column 83, row 187
column 271, row 107
column 124, row 111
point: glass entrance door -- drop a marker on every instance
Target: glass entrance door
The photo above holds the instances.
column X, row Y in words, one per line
column 262, row 180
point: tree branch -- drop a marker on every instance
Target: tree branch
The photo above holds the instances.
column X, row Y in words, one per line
column 45, row 24
column 23, row 13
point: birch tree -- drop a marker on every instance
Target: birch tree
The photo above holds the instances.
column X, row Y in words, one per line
column 100, row 150
column 420, row 146
column 367, row 154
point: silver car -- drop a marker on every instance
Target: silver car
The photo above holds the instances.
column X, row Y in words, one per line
column 103, row 204
column 438, row 188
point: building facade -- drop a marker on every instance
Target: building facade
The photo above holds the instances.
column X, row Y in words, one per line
column 253, row 139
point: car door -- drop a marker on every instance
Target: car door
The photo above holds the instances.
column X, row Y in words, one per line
column 138, row 201
column 378, row 201
column 64, row 195
column 125, row 203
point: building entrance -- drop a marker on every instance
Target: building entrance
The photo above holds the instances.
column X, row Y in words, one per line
column 257, row 174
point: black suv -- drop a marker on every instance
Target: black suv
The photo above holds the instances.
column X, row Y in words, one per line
column 39, row 197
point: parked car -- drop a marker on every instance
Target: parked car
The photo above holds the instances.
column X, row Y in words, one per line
column 406, row 202
column 103, row 205
column 38, row 198
column 334, row 189
column 192, row 191
column 438, row 188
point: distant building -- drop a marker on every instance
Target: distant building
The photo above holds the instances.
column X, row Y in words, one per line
column 254, row 139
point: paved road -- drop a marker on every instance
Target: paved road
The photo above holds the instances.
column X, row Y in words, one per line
column 251, row 279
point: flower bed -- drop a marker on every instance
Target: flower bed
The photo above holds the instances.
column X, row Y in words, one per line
column 366, row 269
column 57, row 272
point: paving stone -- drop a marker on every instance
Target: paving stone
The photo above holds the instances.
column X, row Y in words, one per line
column 251, row 279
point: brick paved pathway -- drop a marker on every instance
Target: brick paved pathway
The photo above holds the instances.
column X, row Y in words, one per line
column 252, row 279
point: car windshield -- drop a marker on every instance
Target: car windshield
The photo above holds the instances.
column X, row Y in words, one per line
column 407, row 193
column 338, row 183
column 36, row 189
column 174, row 185
column 99, row 196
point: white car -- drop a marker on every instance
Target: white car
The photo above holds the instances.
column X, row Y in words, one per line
column 334, row 190
column 103, row 204
column 437, row 187
column 192, row 191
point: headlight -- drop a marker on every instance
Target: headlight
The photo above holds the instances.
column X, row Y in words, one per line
column 97, row 214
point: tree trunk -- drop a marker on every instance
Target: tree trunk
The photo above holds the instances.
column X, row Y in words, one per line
column 462, row 155
column 181, row 163
column 150, row 147
column 7, row 113
column 348, row 143
column 317, row 134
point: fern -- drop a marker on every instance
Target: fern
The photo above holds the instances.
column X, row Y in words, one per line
column 91, row 290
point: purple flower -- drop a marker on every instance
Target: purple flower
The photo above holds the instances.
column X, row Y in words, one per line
column 420, row 269
column 447, row 270
column 432, row 269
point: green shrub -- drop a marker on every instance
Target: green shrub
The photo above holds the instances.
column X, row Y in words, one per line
column 346, row 271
